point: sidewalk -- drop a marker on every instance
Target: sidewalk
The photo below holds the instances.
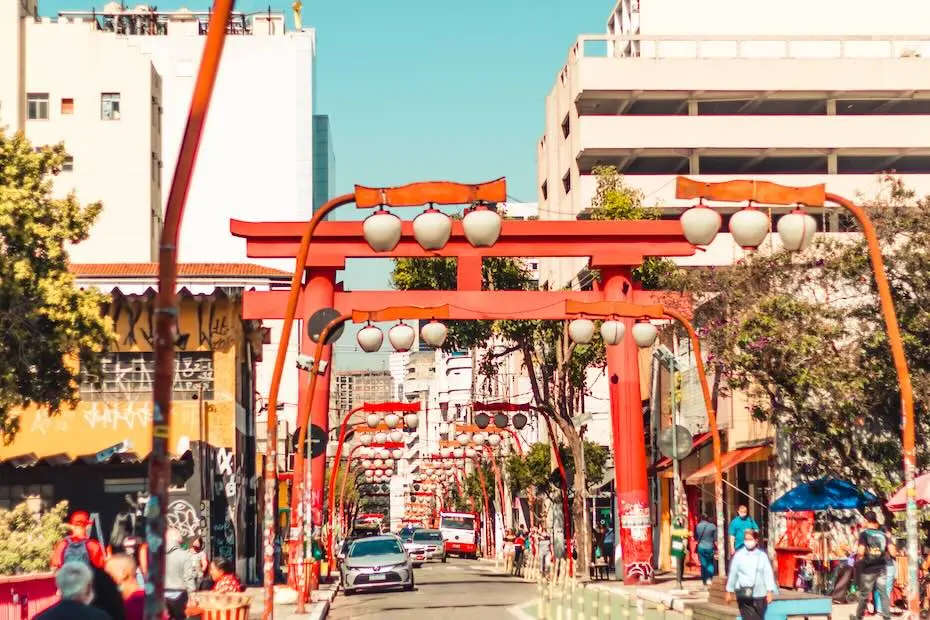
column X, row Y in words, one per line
column 286, row 603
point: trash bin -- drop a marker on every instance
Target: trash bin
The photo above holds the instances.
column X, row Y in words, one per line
column 220, row 606
column 298, row 572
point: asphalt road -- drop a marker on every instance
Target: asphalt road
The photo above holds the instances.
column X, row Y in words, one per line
column 457, row 590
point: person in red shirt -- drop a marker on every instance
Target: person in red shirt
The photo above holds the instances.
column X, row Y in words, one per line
column 224, row 580
column 123, row 570
column 78, row 547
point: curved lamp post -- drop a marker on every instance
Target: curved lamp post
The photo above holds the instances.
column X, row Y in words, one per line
column 390, row 409
column 796, row 230
column 415, row 194
column 303, row 419
column 166, row 317
column 644, row 334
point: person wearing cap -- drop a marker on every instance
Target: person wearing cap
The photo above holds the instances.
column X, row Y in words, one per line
column 78, row 546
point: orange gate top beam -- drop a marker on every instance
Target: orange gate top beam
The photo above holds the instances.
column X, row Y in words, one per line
column 606, row 243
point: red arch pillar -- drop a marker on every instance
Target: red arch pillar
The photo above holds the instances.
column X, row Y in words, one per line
column 634, row 527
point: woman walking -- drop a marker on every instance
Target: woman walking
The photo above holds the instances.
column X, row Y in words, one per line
column 705, row 535
column 751, row 581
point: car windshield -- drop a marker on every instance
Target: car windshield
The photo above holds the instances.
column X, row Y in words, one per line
column 427, row 537
column 459, row 523
column 374, row 547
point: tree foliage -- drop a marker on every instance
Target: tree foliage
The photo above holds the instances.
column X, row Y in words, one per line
column 44, row 318
column 27, row 539
column 804, row 337
column 536, row 469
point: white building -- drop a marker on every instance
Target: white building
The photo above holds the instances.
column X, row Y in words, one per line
column 795, row 92
column 102, row 97
column 119, row 98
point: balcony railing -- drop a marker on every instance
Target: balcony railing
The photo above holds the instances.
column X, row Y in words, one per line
column 748, row 46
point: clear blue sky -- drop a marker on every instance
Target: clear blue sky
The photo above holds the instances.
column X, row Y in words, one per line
column 428, row 89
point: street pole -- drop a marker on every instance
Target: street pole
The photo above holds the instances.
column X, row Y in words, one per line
column 676, row 463
column 166, row 312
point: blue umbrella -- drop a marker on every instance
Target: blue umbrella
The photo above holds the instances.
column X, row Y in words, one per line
column 823, row 494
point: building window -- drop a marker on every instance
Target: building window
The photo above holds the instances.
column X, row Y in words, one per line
column 566, row 126
column 40, row 495
column 67, row 105
column 545, row 190
column 109, row 106
column 129, row 376
column 68, row 164
column 37, row 107
column 567, row 182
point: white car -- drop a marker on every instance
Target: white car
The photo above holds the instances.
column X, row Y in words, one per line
column 425, row 545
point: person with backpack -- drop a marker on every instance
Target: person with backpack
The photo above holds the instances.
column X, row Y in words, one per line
column 78, row 546
column 705, row 535
column 872, row 553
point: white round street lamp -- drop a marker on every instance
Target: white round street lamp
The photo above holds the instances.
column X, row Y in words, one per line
column 479, row 438
column 370, row 338
column 463, row 437
column 445, row 452
column 612, row 332
column 458, row 452
column 700, row 224
column 382, row 230
column 377, row 463
column 470, row 452
column 401, row 337
column 367, row 463
column 392, row 420
column 365, row 439
column 397, row 454
column 432, row 229
column 749, row 227
column 397, row 436
column 384, row 453
column 581, row 331
column 644, row 334
column 380, row 437
column 494, row 439
column 482, row 226
column 373, row 420
column 434, row 334
column 412, row 421
column 797, row 230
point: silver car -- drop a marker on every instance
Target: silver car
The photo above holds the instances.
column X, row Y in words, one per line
column 376, row 562
column 426, row 545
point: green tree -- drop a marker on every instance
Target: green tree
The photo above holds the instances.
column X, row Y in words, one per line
column 802, row 335
column 555, row 365
column 44, row 318
column 27, row 539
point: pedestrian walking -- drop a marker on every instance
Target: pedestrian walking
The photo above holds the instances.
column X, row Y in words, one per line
column 751, row 580
column 872, row 552
column 123, row 569
column 519, row 543
column 738, row 526
column 508, row 550
column 705, row 537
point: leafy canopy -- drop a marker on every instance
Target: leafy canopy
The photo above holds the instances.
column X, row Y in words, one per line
column 43, row 316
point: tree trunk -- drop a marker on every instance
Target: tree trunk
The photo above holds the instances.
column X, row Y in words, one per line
column 580, row 529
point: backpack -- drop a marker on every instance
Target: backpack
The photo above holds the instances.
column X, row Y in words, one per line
column 75, row 551
column 875, row 544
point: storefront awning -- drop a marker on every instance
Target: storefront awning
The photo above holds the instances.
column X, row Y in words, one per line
column 705, row 475
column 697, row 442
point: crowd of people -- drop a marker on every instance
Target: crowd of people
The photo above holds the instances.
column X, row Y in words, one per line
column 100, row 583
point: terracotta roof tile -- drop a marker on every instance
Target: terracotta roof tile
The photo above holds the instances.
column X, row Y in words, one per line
column 189, row 270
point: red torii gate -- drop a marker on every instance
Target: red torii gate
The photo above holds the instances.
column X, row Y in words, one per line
column 612, row 247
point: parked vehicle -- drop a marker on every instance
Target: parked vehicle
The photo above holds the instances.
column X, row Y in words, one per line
column 376, row 562
column 425, row 546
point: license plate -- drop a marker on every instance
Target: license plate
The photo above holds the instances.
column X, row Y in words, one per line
column 378, row 577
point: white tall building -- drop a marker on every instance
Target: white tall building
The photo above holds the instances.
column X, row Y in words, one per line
column 795, row 92
column 115, row 85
